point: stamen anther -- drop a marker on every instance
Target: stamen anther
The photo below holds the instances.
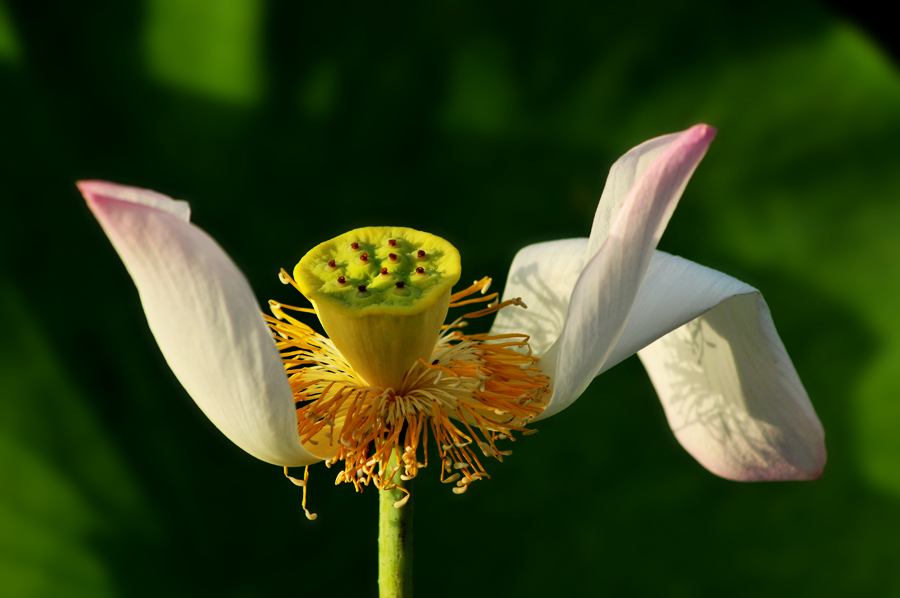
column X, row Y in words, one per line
column 297, row 482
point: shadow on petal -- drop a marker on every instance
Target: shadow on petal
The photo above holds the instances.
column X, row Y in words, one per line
column 733, row 398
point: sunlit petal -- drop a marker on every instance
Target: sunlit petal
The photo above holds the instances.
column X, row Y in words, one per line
column 619, row 182
column 674, row 292
column 729, row 389
column 144, row 197
column 543, row 275
column 205, row 318
column 606, row 290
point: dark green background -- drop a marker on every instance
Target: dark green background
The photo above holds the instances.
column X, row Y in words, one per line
column 492, row 125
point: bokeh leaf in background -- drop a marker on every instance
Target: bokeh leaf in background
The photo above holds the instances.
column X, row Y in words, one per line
column 64, row 489
column 492, row 125
column 206, row 47
column 9, row 45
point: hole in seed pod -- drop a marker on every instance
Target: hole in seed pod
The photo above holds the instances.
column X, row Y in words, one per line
column 354, row 245
column 421, row 253
column 420, row 270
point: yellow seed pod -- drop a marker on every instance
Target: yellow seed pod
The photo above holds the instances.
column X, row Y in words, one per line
column 382, row 294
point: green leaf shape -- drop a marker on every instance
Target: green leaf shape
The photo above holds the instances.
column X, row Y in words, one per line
column 64, row 490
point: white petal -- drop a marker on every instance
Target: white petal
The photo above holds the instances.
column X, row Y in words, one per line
column 674, row 292
column 543, row 275
column 622, row 176
column 605, row 292
column 729, row 389
column 144, row 197
column 205, row 318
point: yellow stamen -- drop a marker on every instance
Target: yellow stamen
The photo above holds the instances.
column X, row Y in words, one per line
column 479, row 285
column 302, row 483
column 277, row 305
column 469, row 391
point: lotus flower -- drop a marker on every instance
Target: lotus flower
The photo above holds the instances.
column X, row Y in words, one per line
column 292, row 397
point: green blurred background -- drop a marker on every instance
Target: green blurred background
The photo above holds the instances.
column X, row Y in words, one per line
column 493, row 125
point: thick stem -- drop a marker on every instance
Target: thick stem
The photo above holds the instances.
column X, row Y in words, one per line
column 395, row 542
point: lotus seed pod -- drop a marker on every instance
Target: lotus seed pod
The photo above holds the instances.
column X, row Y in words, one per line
column 382, row 294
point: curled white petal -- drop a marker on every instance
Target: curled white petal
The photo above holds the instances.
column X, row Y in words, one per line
column 605, row 292
column 673, row 292
column 205, row 318
column 729, row 389
column 622, row 176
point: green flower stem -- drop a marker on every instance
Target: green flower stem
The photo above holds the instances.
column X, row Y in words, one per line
column 395, row 543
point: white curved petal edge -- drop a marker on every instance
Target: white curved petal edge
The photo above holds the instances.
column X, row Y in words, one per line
column 543, row 275
column 144, row 197
column 674, row 292
column 605, row 292
column 731, row 393
column 622, row 175
column 205, row 318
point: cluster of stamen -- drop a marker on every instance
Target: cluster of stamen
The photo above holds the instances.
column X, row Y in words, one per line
column 475, row 391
